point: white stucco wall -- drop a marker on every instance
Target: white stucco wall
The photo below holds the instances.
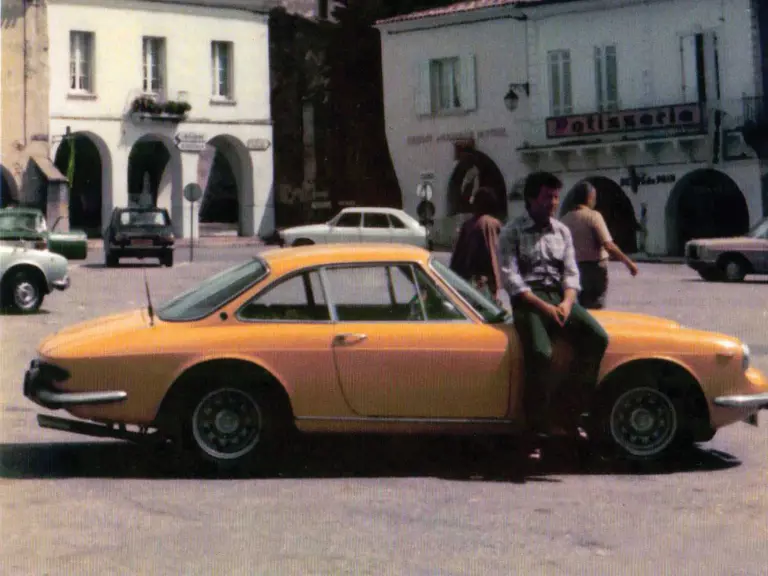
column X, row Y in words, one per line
column 499, row 48
column 118, row 28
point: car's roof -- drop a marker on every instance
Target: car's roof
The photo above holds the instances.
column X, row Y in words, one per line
column 285, row 259
column 373, row 209
column 140, row 209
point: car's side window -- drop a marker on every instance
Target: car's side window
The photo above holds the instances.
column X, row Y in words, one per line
column 374, row 293
column 396, row 222
column 375, row 220
column 436, row 304
column 299, row 298
column 349, row 220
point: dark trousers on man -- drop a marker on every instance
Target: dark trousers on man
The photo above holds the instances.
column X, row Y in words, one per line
column 537, row 333
column 594, row 284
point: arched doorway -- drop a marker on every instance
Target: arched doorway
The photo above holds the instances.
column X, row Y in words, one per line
column 229, row 188
column 475, row 169
column 84, row 159
column 616, row 209
column 705, row 203
column 154, row 176
column 9, row 193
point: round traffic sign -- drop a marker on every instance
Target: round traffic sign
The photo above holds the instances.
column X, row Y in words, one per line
column 193, row 192
column 426, row 210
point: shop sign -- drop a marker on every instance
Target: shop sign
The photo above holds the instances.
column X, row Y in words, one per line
column 680, row 116
column 645, row 180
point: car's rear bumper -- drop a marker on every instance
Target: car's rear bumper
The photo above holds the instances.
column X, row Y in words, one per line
column 40, row 387
column 61, row 284
column 140, row 251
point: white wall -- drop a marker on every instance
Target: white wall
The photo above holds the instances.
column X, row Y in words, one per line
column 499, row 48
column 189, row 30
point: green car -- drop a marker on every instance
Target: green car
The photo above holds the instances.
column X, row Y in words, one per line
column 27, row 225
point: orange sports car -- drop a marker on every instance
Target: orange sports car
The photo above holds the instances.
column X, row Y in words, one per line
column 366, row 338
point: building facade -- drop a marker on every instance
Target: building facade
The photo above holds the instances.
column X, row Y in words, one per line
column 647, row 99
column 24, row 160
column 147, row 97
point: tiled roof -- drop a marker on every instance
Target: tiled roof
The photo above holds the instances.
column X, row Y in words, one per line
column 302, row 7
column 457, row 8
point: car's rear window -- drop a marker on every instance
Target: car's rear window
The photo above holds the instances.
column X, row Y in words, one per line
column 144, row 218
column 213, row 293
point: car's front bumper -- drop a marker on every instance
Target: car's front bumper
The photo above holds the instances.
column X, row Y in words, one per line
column 61, row 284
column 745, row 405
column 744, row 401
column 40, row 381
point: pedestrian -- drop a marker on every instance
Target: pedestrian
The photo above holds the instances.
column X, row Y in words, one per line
column 539, row 271
column 474, row 255
column 593, row 244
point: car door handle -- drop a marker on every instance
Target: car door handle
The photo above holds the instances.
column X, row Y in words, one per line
column 348, row 339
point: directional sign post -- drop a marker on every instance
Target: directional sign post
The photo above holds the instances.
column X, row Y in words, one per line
column 190, row 141
column 192, row 193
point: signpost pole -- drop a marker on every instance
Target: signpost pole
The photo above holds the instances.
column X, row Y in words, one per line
column 191, row 230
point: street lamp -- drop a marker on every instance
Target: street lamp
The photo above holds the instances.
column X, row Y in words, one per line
column 511, row 99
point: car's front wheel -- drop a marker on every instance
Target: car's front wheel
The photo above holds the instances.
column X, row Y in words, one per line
column 709, row 275
column 733, row 269
column 24, row 292
column 167, row 259
column 232, row 427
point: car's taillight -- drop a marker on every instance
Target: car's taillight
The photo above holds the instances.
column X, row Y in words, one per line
column 119, row 238
column 41, row 245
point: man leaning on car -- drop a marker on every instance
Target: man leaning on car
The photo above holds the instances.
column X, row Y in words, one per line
column 539, row 271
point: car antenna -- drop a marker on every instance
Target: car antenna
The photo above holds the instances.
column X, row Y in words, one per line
column 150, row 311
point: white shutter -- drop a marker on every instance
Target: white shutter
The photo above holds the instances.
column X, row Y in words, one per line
column 422, row 93
column 688, row 68
column 468, row 93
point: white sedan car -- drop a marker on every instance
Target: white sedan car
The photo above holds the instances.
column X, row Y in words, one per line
column 27, row 276
column 359, row 225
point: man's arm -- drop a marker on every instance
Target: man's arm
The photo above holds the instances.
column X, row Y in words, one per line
column 571, row 280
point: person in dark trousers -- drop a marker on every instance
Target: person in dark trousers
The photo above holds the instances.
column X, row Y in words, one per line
column 593, row 244
column 474, row 255
column 539, row 271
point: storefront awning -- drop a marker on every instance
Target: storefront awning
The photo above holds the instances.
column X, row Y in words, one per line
column 48, row 169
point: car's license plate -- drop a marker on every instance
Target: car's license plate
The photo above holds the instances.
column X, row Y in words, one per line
column 141, row 242
column 752, row 420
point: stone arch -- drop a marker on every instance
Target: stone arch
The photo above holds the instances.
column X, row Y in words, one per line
column 9, row 191
column 474, row 163
column 616, row 209
column 90, row 193
column 704, row 203
column 228, row 194
column 155, row 176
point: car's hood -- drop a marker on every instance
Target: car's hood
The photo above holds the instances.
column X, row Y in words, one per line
column 609, row 318
column 105, row 328
column 739, row 243
column 309, row 229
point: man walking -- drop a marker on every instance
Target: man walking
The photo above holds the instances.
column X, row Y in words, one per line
column 539, row 271
column 592, row 243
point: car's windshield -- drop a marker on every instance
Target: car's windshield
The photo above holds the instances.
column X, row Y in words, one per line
column 482, row 305
column 144, row 218
column 213, row 293
column 760, row 230
column 29, row 222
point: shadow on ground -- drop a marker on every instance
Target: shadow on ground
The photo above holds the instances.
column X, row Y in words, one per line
column 320, row 457
column 139, row 264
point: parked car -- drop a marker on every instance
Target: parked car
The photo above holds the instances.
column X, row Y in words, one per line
column 366, row 338
column 139, row 233
column 359, row 225
column 28, row 275
column 28, row 226
column 730, row 259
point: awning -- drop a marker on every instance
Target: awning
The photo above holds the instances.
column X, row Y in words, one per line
column 48, row 169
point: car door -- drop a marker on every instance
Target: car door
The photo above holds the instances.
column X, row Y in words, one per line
column 404, row 349
column 402, row 234
column 376, row 228
column 346, row 228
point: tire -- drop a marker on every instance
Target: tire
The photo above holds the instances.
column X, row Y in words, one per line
column 302, row 242
column 641, row 421
column 710, row 275
column 733, row 270
column 111, row 260
column 231, row 427
column 167, row 260
column 23, row 292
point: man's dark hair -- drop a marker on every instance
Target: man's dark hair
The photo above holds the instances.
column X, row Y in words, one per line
column 579, row 194
column 536, row 181
column 484, row 201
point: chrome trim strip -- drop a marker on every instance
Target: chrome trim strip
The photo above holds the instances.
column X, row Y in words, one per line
column 76, row 398
column 401, row 420
column 746, row 401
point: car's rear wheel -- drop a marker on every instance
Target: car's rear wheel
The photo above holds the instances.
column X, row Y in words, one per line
column 24, row 292
column 232, row 427
column 167, row 259
column 303, row 242
column 733, row 269
column 111, row 260
column 710, row 275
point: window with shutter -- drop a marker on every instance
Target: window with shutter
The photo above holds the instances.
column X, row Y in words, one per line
column 606, row 78
column 561, row 100
column 81, row 62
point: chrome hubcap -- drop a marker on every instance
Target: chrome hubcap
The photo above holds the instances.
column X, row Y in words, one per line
column 25, row 294
column 733, row 270
column 226, row 423
column 643, row 421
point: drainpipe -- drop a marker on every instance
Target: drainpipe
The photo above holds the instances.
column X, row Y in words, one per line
column 24, row 70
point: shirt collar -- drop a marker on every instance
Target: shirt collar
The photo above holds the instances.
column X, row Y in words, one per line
column 529, row 224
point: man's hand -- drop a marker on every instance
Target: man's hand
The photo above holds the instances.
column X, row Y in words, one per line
column 555, row 314
column 632, row 267
column 564, row 310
